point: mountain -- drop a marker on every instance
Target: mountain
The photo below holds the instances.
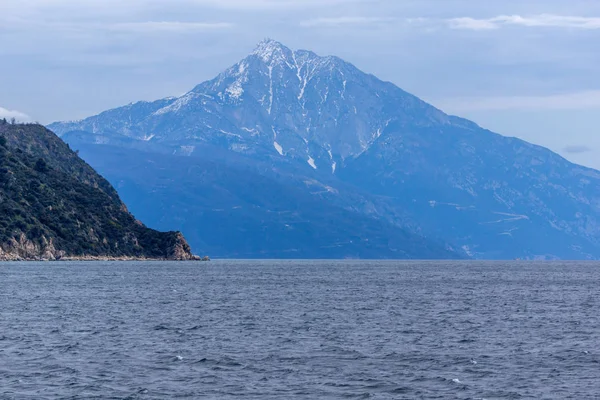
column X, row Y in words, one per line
column 345, row 139
column 227, row 209
column 55, row 206
column 274, row 103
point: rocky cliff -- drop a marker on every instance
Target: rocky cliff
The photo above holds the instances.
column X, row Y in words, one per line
column 55, row 206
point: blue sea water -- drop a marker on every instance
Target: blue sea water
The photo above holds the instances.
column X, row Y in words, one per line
column 300, row 329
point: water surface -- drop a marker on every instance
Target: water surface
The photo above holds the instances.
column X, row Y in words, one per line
column 308, row 329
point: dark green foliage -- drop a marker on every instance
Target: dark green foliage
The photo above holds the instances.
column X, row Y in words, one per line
column 48, row 193
column 41, row 166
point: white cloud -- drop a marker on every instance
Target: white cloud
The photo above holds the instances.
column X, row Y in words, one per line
column 273, row 4
column 473, row 24
column 344, row 21
column 112, row 6
column 166, row 26
column 138, row 27
column 568, row 101
column 542, row 20
column 9, row 114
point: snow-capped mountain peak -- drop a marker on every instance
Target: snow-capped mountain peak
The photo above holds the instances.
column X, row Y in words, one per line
column 271, row 51
column 315, row 108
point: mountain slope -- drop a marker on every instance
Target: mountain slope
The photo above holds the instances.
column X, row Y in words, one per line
column 53, row 205
column 490, row 192
column 228, row 209
column 388, row 155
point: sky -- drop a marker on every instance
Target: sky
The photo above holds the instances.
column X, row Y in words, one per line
column 524, row 68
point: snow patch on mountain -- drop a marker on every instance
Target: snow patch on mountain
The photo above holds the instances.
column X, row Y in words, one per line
column 177, row 104
column 270, row 51
column 230, row 134
column 510, row 218
column 187, row 150
column 333, row 163
column 252, row 131
column 270, row 89
column 235, row 90
column 278, row 148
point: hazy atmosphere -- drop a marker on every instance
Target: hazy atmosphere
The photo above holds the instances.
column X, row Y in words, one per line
column 521, row 68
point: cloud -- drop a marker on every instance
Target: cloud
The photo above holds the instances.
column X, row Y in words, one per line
column 133, row 27
column 569, row 101
column 542, row 20
column 271, row 4
column 166, row 26
column 472, row 24
column 117, row 5
column 577, row 149
column 344, row 21
column 9, row 114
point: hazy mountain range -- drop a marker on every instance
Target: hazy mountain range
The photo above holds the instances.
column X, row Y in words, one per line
column 289, row 154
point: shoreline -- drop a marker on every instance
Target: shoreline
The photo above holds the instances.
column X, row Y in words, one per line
column 104, row 259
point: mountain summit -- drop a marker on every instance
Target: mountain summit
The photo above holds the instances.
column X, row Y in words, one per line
column 319, row 127
column 295, row 104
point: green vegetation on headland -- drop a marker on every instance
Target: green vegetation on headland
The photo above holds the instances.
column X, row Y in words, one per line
column 55, row 206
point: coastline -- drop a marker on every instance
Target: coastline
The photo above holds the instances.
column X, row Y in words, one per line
column 103, row 258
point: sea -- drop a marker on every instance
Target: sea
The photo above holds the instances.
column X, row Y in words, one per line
column 300, row 330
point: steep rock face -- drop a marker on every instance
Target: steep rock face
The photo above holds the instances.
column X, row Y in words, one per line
column 55, row 206
column 21, row 248
column 384, row 153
